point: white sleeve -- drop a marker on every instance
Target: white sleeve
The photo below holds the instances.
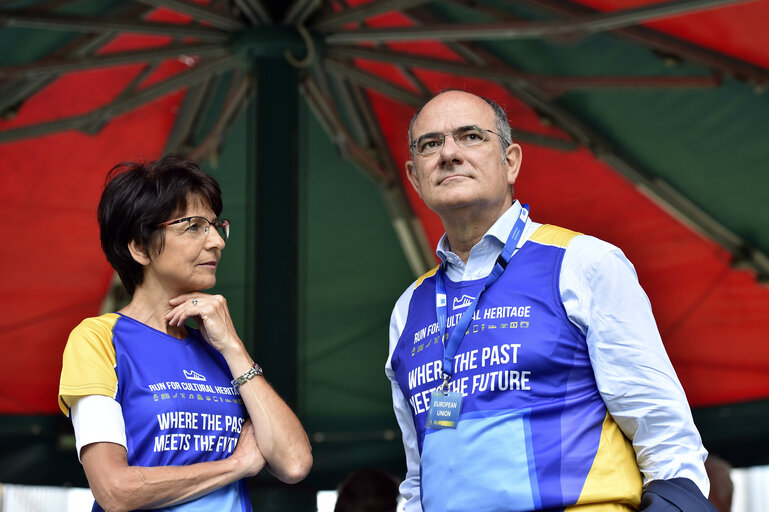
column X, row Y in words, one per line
column 602, row 297
column 97, row 419
column 410, row 486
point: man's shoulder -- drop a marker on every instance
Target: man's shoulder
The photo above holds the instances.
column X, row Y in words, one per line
column 421, row 279
column 549, row 234
column 403, row 303
column 405, row 297
column 573, row 241
column 584, row 255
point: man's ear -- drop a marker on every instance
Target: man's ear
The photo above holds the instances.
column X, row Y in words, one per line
column 513, row 159
column 138, row 253
column 411, row 174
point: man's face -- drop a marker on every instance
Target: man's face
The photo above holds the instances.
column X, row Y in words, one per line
column 457, row 177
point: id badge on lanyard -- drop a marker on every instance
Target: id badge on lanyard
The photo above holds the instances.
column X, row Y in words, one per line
column 444, row 409
column 446, row 405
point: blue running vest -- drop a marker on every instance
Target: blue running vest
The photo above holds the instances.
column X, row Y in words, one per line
column 533, row 433
column 179, row 407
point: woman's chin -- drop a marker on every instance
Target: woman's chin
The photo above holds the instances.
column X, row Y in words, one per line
column 207, row 286
column 200, row 285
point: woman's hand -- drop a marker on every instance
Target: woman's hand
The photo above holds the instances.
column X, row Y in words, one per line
column 247, row 452
column 211, row 314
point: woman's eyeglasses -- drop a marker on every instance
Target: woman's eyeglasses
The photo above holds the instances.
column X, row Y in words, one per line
column 198, row 227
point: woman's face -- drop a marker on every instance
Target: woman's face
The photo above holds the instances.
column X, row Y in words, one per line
column 189, row 257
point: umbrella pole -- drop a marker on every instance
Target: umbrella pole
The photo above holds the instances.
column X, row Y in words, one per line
column 273, row 204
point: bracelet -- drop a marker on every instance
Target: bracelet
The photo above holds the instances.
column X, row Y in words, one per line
column 252, row 372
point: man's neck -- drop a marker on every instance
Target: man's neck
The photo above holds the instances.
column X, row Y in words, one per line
column 465, row 229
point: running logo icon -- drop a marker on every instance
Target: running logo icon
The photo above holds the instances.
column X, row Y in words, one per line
column 463, row 301
column 193, row 375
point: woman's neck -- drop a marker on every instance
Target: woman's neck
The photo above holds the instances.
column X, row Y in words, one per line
column 150, row 308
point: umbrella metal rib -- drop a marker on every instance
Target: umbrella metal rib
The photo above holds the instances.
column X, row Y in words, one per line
column 336, row 130
column 237, row 101
column 254, row 16
column 193, row 76
column 65, row 65
column 524, row 30
column 82, row 46
column 190, row 112
column 359, row 127
column 374, row 82
column 77, row 24
column 373, row 129
column 666, row 43
column 362, row 12
column 503, row 72
column 299, row 11
column 214, row 17
column 129, row 91
column 136, row 99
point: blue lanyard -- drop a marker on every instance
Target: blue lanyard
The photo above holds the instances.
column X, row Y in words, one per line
column 458, row 334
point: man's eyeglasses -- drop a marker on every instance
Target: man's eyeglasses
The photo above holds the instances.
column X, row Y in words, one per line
column 198, row 227
column 464, row 136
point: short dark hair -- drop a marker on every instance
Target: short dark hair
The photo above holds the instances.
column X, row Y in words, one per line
column 139, row 196
column 368, row 490
column 503, row 125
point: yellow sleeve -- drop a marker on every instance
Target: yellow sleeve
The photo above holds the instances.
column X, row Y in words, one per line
column 88, row 363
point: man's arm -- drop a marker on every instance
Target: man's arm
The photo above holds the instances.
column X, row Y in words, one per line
column 602, row 297
column 410, row 486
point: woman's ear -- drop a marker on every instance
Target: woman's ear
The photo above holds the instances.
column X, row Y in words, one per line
column 138, row 253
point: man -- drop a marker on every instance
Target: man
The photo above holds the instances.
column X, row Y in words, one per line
column 527, row 370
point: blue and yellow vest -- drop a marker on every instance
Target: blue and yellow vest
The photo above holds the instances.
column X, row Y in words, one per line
column 179, row 407
column 534, row 433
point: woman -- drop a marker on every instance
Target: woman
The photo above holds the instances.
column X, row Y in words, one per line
column 159, row 421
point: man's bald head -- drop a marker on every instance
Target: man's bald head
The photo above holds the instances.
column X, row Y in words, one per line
column 502, row 125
